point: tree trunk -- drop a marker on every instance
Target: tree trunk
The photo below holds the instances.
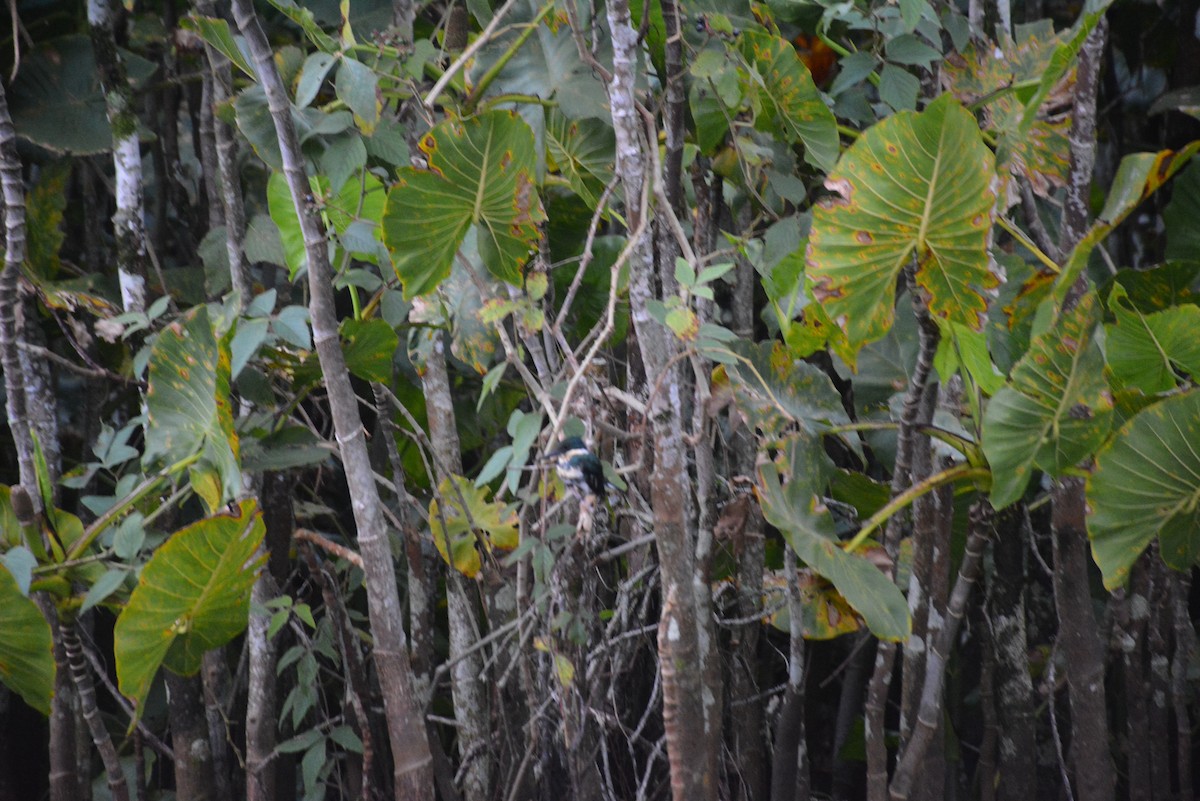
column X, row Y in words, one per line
column 189, row 738
column 1080, row 638
column 129, row 226
column 410, row 748
column 470, row 697
column 81, row 674
column 1016, row 746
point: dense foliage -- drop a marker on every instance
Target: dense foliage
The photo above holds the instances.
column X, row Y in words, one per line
column 628, row 400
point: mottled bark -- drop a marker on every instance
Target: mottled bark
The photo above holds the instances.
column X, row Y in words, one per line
column 410, row 748
column 13, row 186
column 225, row 149
column 189, row 738
column 129, row 227
column 216, row 709
column 470, row 695
column 926, row 601
column 790, row 769
column 747, row 719
column 1016, row 747
column 914, row 414
column 1185, row 645
column 81, row 674
column 687, row 645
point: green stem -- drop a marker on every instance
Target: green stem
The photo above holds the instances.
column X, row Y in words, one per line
column 1032, row 83
column 846, row 130
column 947, row 476
column 120, row 507
column 843, row 52
column 486, row 80
column 962, row 444
column 532, row 100
column 1026, row 243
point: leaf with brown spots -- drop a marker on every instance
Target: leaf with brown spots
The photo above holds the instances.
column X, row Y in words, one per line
column 1055, row 410
column 915, row 186
column 188, row 408
column 785, row 98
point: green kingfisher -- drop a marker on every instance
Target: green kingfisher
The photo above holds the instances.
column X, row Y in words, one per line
column 579, row 468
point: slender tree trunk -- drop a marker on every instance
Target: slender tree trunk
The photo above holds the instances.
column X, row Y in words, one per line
column 189, row 738
column 13, row 186
column 686, row 638
column 225, row 148
column 1082, row 645
column 1157, row 656
column 790, row 779
column 410, row 748
column 1185, row 645
column 749, row 757
column 916, row 412
column 470, row 697
column 929, row 715
column 927, row 589
column 1016, row 746
column 129, row 227
column 81, row 673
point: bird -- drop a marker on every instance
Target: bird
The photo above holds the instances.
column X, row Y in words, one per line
column 579, row 468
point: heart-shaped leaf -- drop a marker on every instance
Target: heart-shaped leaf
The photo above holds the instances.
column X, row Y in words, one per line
column 193, row 595
column 480, row 172
column 777, row 389
column 1055, row 410
column 1147, row 484
column 914, row 186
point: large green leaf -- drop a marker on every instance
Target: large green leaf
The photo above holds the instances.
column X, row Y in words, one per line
column 189, row 409
column 193, row 595
column 369, row 348
column 1181, row 214
column 1144, row 350
column 914, row 185
column 217, row 34
column 1147, row 484
column 1055, row 410
column 57, row 101
column 480, row 172
column 26, row 648
column 547, row 65
column 796, row 509
column 787, row 101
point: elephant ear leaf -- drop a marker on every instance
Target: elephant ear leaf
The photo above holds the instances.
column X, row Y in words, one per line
column 1055, row 410
column 480, row 171
column 916, row 186
column 193, row 595
column 189, row 409
column 1147, row 484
